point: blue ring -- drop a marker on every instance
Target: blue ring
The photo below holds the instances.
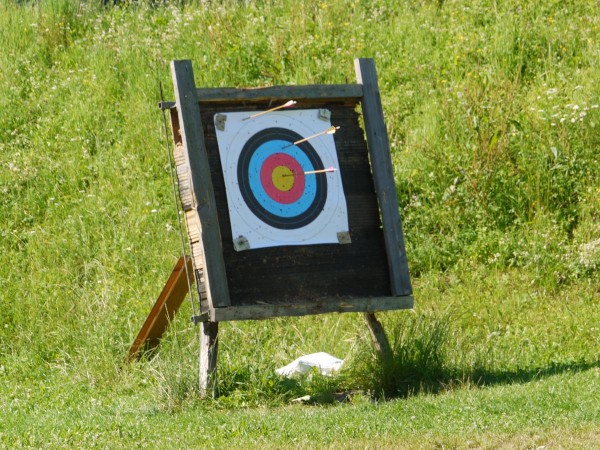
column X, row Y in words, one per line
column 253, row 194
column 254, row 168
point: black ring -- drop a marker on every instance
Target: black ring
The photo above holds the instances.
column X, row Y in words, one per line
column 282, row 223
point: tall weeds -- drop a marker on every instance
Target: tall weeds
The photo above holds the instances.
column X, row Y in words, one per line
column 418, row 361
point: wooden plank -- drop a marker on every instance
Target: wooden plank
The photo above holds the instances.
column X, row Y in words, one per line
column 321, row 92
column 192, row 136
column 380, row 339
column 175, row 129
column 166, row 105
column 383, row 176
column 328, row 305
column 300, row 272
column 208, row 358
column 164, row 309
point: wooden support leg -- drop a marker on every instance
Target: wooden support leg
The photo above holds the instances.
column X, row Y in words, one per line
column 380, row 340
column 208, row 357
column 164, row 310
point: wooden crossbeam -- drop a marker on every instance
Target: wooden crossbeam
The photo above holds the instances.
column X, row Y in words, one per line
column 164, row 309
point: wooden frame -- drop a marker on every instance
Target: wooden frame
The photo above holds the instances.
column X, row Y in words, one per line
column 223, row 291
column 189, row 131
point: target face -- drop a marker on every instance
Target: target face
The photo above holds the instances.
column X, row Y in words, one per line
column 274, row 195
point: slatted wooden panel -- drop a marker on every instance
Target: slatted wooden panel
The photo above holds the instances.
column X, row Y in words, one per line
column 301, row 274
column 210, row 258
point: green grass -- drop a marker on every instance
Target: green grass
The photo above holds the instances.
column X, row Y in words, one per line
column 550, row 411
column 493, row 114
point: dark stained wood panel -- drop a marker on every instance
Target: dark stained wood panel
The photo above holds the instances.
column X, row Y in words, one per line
column 303, row 274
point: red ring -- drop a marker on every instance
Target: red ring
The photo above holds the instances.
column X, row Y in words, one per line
column 266, row 178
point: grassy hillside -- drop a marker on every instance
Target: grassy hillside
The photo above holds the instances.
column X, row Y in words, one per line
column 494, row 119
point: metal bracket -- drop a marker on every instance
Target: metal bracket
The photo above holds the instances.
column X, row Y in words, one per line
column 166, row 105
column 241, row 243
column 344, row 237
column 325, row 115
column 220, row 121
column 199, row 319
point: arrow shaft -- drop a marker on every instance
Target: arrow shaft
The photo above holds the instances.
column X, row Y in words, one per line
column 262, row 113
column 330, row 130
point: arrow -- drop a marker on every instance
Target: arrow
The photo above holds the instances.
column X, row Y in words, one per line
column 310, row 172
column 329, row 169
column 262, row 113
column 330, row 130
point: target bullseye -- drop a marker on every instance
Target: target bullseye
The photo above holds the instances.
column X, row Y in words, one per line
column 281, row 178
column 278, row 180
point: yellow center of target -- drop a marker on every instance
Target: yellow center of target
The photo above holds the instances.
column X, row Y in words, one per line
column 283, row 178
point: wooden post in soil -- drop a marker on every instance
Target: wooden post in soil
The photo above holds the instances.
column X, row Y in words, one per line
column 208, row 358
column 380, row 340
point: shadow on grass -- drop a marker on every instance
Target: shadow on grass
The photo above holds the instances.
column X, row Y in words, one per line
column 488, row 378
column 395, row 378
column 419, row 363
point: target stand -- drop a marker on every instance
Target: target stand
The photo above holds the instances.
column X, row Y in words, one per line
column 289, row 211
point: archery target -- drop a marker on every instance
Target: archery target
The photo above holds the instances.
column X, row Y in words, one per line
column 272, row 200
